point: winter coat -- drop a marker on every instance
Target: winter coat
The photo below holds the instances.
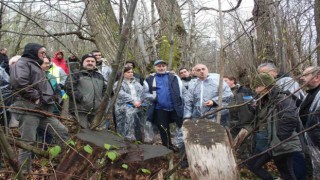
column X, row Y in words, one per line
column 57, row 92
column 29, row 81
column 60, row 62
column 241, row 117
column 88, row 88
column 4, row 62
column 26, row 72
column 4, row 82
column 127, row 116
column 312, row 119
column 201, row 91
column 278, row 116
column 5, row 88
column 59, row 73
column 175, row 90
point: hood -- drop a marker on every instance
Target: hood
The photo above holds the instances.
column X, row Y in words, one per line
column 56, row 53
column 31, row 51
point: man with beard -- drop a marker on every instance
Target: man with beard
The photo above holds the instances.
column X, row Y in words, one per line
column 88, row 89
column 102, row 65
column 185, row 77
column 34, row 92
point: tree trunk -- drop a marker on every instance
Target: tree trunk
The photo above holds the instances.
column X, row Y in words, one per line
column 264, row 30
column 81, row 164
column 140, row 38
column 208, row 150
column 169, row 11
column 317, row 20
column 119, row 53
column 104, row 27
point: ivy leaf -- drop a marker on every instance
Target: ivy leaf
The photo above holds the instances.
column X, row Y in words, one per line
column 107, row 146
column 88, row 149
column 146, row 171
column 111, row 155
column 71, row 142
column 124, row 166
column 54, row 152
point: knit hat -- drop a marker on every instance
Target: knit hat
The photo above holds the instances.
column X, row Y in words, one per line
column 159, row 61
column 87, row 56
column 263, row 79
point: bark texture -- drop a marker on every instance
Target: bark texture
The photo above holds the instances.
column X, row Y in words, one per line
column 208, row 150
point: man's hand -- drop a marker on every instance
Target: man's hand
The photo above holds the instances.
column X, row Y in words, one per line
column 136, row 104
column 209, row 103
column 240, row 137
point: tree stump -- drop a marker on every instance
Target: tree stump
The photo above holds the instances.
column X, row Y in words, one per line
column 208, row 150
column 135, row 157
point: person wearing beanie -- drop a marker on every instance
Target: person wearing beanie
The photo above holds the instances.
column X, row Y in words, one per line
column 34, row 92
column 276, row 121
column 88, row 89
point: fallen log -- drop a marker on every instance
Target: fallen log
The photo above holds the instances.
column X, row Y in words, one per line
column 133, row 161
column 208, row 150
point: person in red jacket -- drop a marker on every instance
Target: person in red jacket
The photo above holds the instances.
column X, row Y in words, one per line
column 58, row 59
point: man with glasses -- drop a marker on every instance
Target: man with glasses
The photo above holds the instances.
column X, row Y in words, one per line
column 33, row 92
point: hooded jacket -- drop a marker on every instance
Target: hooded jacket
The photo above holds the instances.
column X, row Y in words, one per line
column 28, row 79
column 60, row 62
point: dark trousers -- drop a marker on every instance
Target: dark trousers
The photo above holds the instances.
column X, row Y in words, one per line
column 163, row 119
column 283, row 162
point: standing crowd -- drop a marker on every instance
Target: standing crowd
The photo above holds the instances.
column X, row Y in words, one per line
column 267, row 122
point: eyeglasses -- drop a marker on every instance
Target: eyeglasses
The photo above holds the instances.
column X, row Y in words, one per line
column 42, row 52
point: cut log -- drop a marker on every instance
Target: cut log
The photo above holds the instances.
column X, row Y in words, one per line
column 78, row 165
column 208, row 150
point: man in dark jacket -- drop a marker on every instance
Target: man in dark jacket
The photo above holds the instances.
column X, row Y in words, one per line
column 276, row 121
column 88, row 89
column 33, row 92
column 310, row 108
column 168, row 106
column 4, row 60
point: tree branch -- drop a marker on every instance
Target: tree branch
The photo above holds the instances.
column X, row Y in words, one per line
column 214, row 9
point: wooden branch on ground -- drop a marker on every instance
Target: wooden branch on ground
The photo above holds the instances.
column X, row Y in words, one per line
column 28, row 147
column 9, row 153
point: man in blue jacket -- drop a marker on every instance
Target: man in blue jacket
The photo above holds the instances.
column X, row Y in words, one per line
column 168, row 106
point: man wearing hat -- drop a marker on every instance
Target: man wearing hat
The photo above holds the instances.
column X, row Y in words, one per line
column 88, row 89
column 277, row 120
column 168, row 106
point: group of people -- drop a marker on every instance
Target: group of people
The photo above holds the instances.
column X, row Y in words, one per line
column 272, row 114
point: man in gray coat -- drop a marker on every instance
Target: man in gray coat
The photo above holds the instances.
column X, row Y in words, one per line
column 33, row 92
column 87, row 88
